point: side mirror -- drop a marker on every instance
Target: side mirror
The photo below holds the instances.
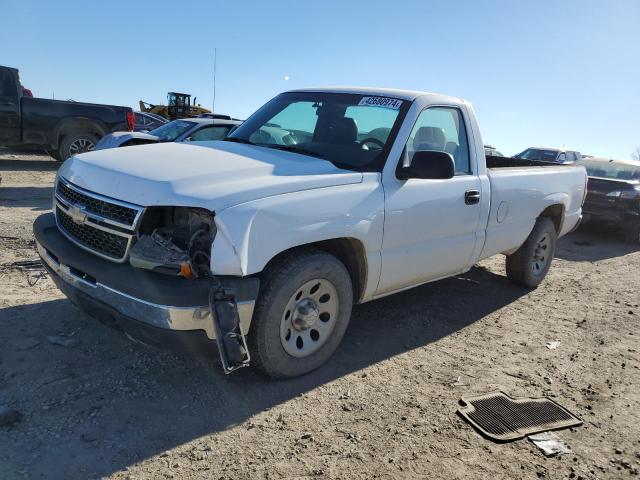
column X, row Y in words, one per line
column 428, row 164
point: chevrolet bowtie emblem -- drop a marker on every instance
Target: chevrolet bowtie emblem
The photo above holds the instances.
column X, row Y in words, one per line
column 77, row 214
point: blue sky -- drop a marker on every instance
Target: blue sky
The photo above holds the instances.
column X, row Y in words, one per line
column 545, row 72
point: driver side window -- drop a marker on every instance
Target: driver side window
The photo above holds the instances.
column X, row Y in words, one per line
column 441, row 129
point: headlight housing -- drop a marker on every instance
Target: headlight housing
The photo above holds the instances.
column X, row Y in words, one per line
column 175, row 241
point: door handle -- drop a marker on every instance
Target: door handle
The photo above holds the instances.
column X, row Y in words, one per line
column 471, row 197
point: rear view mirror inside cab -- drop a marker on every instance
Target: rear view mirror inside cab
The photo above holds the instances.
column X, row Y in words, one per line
column 426, row 164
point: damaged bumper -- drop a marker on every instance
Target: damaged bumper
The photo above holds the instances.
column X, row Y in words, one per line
column 160, row 310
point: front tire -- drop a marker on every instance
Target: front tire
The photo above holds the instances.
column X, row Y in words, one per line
column 528, row 265
column 301, row 314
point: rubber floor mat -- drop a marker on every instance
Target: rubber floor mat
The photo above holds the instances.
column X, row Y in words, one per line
column 502, row 418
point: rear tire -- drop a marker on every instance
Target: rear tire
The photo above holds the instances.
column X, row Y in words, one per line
column 301, row 314
column 528, row 265
column 632, row 234
column 55, row 154
column 76, row 143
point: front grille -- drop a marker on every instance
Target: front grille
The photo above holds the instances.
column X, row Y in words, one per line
column 111, row 211
column 109, row 244
column 102, row 225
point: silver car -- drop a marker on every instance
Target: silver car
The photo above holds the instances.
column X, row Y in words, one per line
column 181, row 130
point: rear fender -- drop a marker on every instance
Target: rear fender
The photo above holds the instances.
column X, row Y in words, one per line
column 78, row 124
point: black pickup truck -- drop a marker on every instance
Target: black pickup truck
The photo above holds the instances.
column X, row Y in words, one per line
column 62, row 128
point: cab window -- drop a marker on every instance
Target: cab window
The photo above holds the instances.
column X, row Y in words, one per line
column 441, row 129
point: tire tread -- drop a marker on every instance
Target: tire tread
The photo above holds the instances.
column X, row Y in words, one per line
column 273, row 277
column 518, row 263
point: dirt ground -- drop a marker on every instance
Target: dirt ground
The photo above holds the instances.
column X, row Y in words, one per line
column 384, row 407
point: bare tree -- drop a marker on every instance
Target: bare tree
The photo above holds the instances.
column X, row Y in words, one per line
column 636, row 154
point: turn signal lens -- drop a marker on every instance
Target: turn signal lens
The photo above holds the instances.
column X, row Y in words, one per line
column 185, row 270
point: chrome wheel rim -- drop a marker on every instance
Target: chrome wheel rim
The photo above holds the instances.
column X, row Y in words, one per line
column 541, row 254
column 309, row 318
column 81, row 145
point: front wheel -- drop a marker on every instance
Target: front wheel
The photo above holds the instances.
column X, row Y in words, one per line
column 528, row 265
column 301, row 315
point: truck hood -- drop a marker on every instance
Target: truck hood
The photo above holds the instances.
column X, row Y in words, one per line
column 212, row 175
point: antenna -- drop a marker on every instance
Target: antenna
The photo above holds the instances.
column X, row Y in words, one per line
column 215, row 58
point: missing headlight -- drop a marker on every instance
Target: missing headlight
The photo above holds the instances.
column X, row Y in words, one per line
column 175, row 241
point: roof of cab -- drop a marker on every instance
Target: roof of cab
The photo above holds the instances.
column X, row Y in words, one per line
column 384, row 92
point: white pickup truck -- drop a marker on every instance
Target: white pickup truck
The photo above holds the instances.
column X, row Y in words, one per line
column 322, row 198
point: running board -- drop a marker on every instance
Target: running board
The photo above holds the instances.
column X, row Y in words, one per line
column 232, row 344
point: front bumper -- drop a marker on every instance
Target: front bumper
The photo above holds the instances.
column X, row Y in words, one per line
column 156, row 309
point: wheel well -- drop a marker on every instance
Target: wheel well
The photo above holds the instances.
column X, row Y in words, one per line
column 80, row 125
column 555, row 213
column 349, row 251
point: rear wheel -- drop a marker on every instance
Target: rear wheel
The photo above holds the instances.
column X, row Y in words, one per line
column 632, row 234
column 55, row 154
column 76, row 143
column 528, row 265
column 301, row 315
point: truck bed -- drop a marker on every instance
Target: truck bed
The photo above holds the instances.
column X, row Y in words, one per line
column 519, row 191
column 42, row 117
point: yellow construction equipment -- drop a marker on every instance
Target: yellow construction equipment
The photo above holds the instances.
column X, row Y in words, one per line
column 178, row 106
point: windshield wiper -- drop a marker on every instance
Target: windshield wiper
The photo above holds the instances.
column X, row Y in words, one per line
column 238, row 140
column 293, row 149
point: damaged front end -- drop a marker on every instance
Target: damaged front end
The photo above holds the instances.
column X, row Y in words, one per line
column 175, row 241
column 178, row 241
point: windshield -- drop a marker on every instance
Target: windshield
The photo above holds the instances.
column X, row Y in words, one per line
column 538, row 154
column 352, row 131
column 617, row 171
column 172, row 130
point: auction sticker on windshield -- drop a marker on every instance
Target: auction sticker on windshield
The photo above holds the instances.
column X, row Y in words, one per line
column 384, row 102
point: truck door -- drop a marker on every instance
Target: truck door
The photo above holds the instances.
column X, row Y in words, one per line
column 430, row 225
column 9, row 106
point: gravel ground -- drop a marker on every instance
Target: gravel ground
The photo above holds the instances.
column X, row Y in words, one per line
column 383, row 407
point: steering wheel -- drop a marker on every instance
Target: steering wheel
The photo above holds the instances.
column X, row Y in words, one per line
column 289, row 139
column 375, row 141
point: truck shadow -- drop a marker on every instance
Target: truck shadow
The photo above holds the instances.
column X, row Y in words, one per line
column 107, row 403
column 16, row 165
column 592, row 243
column 35, row 198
